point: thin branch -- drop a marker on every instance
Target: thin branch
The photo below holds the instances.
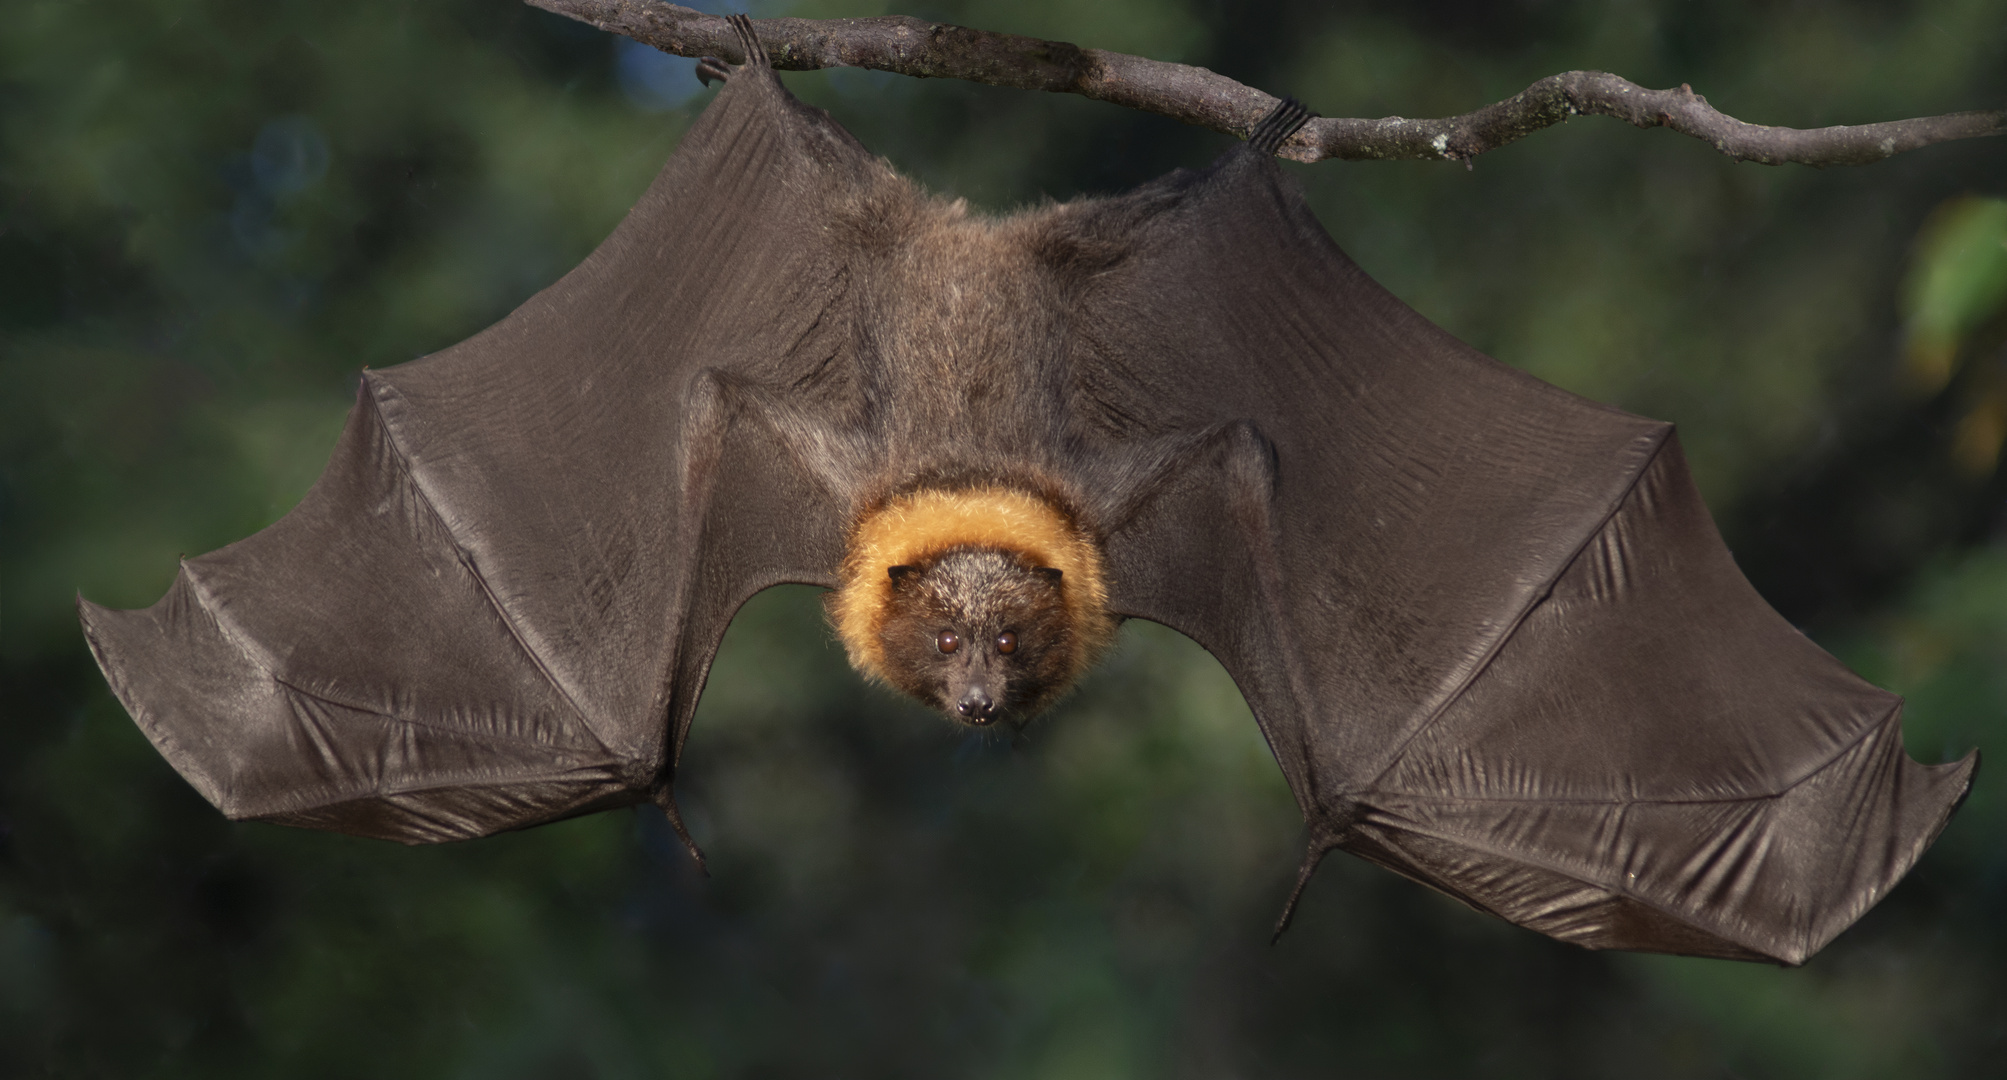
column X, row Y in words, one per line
column 909, row 46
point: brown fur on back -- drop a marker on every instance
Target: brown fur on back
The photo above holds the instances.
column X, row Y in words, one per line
column 964, row 333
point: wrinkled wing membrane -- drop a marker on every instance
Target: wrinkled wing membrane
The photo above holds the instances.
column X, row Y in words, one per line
column 1501, row 649
column 487, row 613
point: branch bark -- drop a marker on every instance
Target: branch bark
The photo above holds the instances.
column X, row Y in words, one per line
column 909, row 46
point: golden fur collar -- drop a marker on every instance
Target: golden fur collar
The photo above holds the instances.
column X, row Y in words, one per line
column 931, row 521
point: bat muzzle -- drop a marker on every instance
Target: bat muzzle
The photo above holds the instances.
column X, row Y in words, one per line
column 976, row 706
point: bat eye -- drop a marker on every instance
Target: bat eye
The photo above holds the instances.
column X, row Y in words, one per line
column 949, row 641
column 1006, row 642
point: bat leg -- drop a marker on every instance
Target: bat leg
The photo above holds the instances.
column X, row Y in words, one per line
column 1236, row 466
column 1240, row 463
column 710, row 69
column 714, row 407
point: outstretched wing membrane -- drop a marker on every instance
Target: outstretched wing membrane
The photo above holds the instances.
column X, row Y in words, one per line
column 1488, row 627
column 494, row 609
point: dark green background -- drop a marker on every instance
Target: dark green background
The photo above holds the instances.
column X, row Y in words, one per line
column 212, row 215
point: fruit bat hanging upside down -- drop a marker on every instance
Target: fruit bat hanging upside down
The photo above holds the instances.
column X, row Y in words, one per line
column 1487, row 627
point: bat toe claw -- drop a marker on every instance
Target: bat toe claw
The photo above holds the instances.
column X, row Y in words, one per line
column 1276, row 128
column 756, row 53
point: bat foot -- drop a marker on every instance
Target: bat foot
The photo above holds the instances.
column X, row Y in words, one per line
column 710, row 69
column 1276, row 128
column 756, row 54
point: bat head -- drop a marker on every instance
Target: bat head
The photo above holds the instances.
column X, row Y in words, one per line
column 981, row 633
column 986, row 602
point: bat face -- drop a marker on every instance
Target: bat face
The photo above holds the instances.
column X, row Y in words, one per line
column 984, row 602
column 979, row 633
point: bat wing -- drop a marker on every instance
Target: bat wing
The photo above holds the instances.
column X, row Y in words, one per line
column 1488, row 627
column 489, row 612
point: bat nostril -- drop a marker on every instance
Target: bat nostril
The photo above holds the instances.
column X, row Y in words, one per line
column 976, row 705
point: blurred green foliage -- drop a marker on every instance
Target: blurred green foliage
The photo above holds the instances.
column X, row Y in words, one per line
column 213, row 214
column 1957, row 282
column 1955, row 299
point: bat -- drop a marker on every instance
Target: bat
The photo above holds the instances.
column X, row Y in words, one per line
column 1488, row 628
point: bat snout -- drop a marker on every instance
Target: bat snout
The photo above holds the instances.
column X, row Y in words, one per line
column 976, row 706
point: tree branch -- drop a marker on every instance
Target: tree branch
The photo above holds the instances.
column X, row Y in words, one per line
column 909, row 46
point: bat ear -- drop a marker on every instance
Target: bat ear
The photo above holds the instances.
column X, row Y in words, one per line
column 899, row 574
column 1051, row 574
